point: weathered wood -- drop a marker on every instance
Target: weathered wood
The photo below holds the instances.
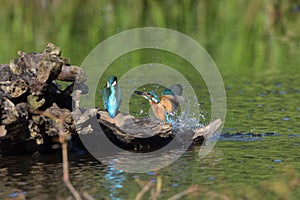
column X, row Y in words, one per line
column 205, row 132
column 3, row 131
column 139, row 132
column 35, row 111
column 72, row 73
column 128, row 126
column 8, row 110
column 27, row 91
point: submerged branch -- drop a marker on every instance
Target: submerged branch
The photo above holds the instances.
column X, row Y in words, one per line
column 66, row 172
column 145, row 189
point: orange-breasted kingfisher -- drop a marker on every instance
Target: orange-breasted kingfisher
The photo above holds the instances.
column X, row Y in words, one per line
column 167, row 104
column 111, row 96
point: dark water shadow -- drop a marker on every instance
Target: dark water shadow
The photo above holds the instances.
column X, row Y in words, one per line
column 246, row 137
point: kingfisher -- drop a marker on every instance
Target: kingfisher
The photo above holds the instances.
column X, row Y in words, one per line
column 165, row 106
column 111, row 96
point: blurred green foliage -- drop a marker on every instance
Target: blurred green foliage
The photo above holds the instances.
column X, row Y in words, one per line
column 255, row 44
column 238, row 34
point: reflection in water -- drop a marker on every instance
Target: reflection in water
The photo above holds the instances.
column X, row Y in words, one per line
column 238, row 164
column 115, row 179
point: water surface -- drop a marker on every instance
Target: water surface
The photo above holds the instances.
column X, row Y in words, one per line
column 256, row 46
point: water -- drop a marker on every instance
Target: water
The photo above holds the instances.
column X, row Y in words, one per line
column 257, row 54
column 236, row 167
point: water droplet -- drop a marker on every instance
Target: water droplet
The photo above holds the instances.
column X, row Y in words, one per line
column 285, row 118
column 282, row 92
column 16, row 194
column 277, row 160
column 228, row 87
column 118, row 186
column 263, row 94
column 151, row 173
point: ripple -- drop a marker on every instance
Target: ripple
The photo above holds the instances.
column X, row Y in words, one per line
column 246, row 136
column 294, row 135
column 211, row 178
column 282, row 92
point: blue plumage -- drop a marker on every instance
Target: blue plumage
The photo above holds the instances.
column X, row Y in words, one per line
column 111, row 96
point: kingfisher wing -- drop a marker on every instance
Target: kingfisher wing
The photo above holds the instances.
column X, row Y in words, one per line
column 173, row 90
column 105, row 92
column 170, row 103
column 167, row 91
column 171, row 98
column 118, row 95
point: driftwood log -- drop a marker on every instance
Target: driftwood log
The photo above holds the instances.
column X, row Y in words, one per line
column 145, row 134
column 30, row 98
column 35, row 110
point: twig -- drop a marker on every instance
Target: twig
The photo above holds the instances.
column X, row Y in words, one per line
column 76, row 98
column 145, row 189
column 191, row 189
column 66, row 172
column 139, row 182
column 155, row 193
column 196, row 188
column 63, row 138
column 87, row 196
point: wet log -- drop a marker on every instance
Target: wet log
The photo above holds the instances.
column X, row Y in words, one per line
column 145, row 134
column 127, row 127
column 35, row 112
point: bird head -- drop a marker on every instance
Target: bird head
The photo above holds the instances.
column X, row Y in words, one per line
column 150, row 96
column 112, row 81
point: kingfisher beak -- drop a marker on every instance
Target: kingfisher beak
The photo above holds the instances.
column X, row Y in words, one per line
column 143, row 94
column 139, row 93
